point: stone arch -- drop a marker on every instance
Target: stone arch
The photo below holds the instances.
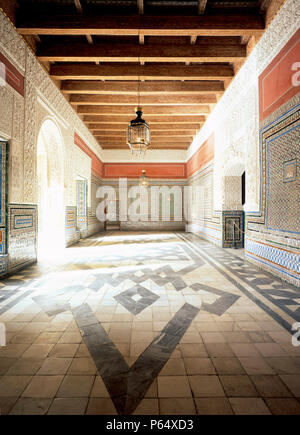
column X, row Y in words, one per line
column 50, row 154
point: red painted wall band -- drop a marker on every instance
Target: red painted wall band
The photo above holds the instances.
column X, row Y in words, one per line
column 11, row 75
column 153, row 170
column 201, row 157
column 276, row 81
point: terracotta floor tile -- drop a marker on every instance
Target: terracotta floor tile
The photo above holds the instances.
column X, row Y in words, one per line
column 6, row 364
column 228, row 366
column 63, row 350
column 212, row 337
column 25, row 366
column 193, row 350
column 38, row 351
column 82, row 366
column 199, row 366
column 213, row 406
column 97, row 406
column 76, row 386
column 249, row 406
column 99, row 388
column 283, row 406
column 177, row 406
column 147, row 407
column 13, row 386
column 55, row 366
column 270, row 349
column 244, row 350
column 70, row 406
column 29, row 406
column 173, row 367
column 173, row 386
column 284, row 365
column 256, row 366
column 43, row 387
column 206, row 386
column 238, row 386
column 293, row 383
column 219, row 350
column 6, row 404
column 271, row 386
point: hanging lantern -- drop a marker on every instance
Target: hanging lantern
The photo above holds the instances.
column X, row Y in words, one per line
column 144, row 180
column 138, row 133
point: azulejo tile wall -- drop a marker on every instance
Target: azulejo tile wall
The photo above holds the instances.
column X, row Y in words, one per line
column 72, row 234
column 3, row 195
column 202, row 217
column 22, row 227
column 273, row 237
column 82, row 218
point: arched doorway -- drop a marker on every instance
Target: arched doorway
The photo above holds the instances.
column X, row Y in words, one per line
column 51, row 216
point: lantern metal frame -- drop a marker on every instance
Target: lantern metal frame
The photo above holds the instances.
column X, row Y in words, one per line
column 138, row 133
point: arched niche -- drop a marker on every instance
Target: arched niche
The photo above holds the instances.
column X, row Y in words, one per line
column 234, row 186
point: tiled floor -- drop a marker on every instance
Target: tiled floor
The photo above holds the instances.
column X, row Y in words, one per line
column 148, row 323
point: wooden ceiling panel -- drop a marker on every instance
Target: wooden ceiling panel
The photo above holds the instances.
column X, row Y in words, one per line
column 179, row 59
column 146, row 88
column 151, row 119
column 165, row 25
column 146, row 100
column 221, row 52
column 81, row 71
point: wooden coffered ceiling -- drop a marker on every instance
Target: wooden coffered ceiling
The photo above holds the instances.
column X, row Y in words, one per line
column 183, row 52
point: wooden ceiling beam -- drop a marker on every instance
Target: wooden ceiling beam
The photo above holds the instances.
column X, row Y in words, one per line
column 155, row 128
column 140, row 5
column 174, row 100
column 201, row 25
column 122, row 139
column 78, row 6
column 140, row 72
column 79, row 52
column 161, row 146
column 153, row 110
column 201, row 6
column 151, row 119
column 154, row 134
column 123, row 144
column 146, row 88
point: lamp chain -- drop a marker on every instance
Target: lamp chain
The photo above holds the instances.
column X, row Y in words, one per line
column 139, row 57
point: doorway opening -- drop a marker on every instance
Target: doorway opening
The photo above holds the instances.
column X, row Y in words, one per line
column 233, row 207
column 51, row 216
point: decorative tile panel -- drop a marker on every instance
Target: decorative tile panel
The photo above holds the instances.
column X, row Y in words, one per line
column 82, row 204
column 72, row 235
column 22, row 233
column 290, row 171
column 233, row 228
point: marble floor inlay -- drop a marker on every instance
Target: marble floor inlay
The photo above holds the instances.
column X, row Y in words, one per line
column 158, row 323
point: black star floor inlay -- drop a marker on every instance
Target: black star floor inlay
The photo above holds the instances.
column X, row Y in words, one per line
column 136, row 299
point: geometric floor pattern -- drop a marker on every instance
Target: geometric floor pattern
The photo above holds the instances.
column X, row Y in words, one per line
column 148, row 323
